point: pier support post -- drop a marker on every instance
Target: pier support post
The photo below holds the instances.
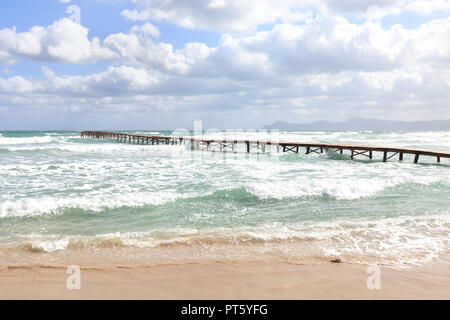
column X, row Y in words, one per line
column 223, row 145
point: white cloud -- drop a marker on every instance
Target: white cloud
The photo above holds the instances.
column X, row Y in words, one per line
column 375, row 13
column 6, row 58
column 322, row 44
column 115, row 81
column 388, row 80
column 246, row 16
column 222, row 15
column 142, row 51
column 325, row 45
column 362, row 5
column 147, row 28
column 67, row 42
column 326, row 66
column 427, row 7
column 63, row 41
column 19, row 85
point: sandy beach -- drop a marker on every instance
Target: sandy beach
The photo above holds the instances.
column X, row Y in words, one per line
column 262, row 280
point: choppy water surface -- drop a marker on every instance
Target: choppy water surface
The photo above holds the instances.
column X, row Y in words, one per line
column 63, row 196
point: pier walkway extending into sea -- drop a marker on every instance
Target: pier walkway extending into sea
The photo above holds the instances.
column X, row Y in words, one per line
column 230, row 145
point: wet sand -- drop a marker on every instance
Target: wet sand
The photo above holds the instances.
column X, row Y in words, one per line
column 242, row 280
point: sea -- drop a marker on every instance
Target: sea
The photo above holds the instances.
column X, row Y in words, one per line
column 100, row 203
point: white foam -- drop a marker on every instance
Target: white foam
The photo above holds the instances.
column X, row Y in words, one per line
column 95, row 148
column 341, row 187
column 95, row 176
column 24, row 140
column 91, row 202
column 398, row 242
column 50, row 246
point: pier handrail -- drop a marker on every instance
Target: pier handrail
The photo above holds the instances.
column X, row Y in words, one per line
column 288, row 146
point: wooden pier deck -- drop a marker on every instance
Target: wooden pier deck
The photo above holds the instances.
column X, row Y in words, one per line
column 230, row 145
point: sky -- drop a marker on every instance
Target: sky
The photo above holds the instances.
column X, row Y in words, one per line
column 162, row 64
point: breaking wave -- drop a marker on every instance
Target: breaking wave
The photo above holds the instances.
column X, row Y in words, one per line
column 399, row 242
column 61, row 193
column 254, row 192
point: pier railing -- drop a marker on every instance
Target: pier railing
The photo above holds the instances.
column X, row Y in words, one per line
column 226, row 145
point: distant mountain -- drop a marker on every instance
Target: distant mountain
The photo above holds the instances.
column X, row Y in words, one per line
column 361, row 124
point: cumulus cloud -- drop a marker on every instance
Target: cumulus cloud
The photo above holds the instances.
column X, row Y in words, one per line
column 18, row 85
column 142, row 51
column 6, row 58
column 427, row 7
column 222, row 15
column 148, row 29
column 117, row 80
column 67, row 42
column 326, row 45
column 362, row 5
column 246, row 16
column 63, row 41
column 322, row 44
column 312, row 62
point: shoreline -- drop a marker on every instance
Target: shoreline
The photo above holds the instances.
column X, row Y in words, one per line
column 230, row 280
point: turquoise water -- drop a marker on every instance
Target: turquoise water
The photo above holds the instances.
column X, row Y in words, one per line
column 61, row 193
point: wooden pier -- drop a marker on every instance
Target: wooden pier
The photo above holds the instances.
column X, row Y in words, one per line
column 231, row 145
